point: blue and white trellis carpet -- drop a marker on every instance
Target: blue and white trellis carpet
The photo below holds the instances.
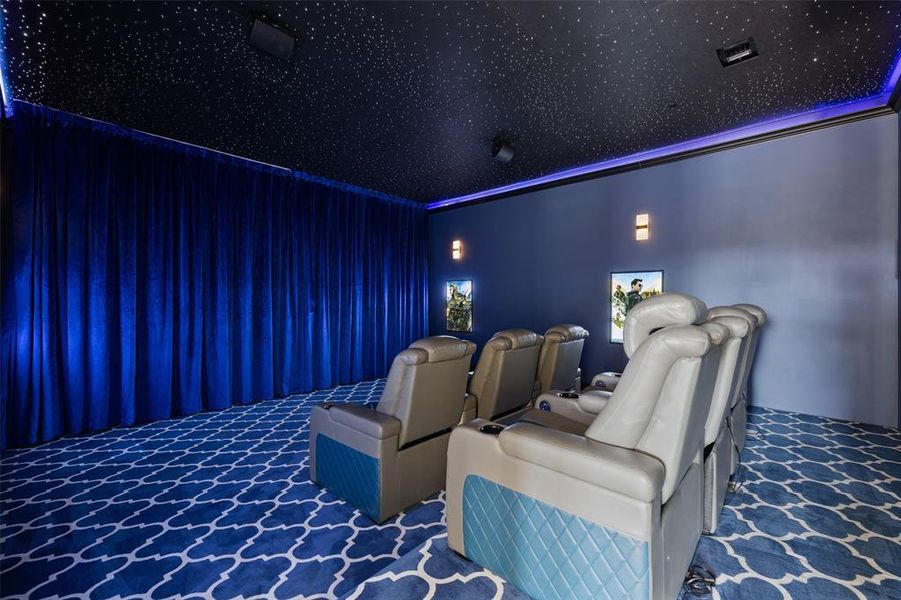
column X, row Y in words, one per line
column 217, row 504
column 220, row 505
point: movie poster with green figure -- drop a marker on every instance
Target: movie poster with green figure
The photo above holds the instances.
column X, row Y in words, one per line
column 626, row 290
column 459, row 305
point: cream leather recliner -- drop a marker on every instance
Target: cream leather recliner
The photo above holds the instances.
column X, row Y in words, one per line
column 657, row 312
column 718, row 443
column 504, row 378
column 645, row 318
column 738, row 421
column 615, row 513
column 561, row 353
column 384, row 460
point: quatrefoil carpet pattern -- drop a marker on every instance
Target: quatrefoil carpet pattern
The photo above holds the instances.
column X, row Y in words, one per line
column 219, row 505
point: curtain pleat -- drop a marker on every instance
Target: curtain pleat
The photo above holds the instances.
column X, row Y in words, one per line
column 149, row 279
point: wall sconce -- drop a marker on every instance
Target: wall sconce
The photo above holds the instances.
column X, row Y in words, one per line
column 456, row 249
column 642, row 227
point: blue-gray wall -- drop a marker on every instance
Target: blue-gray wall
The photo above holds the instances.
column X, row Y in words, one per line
column 806, row 226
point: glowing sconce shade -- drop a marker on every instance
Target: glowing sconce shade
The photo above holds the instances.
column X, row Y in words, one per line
column 457, row 250
column 642, row 227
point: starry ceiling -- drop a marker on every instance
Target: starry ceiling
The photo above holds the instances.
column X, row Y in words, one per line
column 405, row 97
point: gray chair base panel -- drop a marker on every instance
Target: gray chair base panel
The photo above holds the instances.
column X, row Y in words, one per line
column 420, row 471
column 680, row 523
column 738, row 424
column 716, row 479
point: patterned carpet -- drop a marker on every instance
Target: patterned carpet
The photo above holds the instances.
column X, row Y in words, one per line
column 217, row 504
column 220, row 505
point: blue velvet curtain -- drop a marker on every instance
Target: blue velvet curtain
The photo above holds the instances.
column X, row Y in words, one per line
column 145, row 279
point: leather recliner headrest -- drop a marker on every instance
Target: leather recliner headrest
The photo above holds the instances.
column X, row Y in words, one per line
column 755, row 310
column 437, row 348
column 690, row 342
column 738, row 327
column 718, row 332
column 733, row 311
column 513, row 339
column 565, row 333
column 664, row 310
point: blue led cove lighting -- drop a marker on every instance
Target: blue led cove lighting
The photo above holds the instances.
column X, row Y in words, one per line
column 823, row 113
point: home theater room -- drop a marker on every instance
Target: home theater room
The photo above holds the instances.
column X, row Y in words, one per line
column 476, row 300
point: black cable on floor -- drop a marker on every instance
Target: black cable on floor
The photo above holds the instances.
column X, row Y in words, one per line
column 759, row 432
column 739, row 480
column 699, row 581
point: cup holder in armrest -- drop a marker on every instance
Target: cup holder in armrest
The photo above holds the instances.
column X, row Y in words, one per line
column 570, row 395
column 491, row 428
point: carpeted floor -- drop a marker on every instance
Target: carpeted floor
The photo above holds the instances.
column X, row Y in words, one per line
column 220, row 505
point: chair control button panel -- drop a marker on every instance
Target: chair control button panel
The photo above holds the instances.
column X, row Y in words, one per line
column 491, row 428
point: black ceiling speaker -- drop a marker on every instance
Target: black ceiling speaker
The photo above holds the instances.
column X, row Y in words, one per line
column 271, row 40
column 501, row 150
column 737, row 52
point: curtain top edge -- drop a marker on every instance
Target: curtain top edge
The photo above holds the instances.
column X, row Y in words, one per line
column 144, row 136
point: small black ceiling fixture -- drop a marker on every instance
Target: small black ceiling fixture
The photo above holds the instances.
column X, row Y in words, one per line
column 501, row 149
column 270, row 39
column 738, row 52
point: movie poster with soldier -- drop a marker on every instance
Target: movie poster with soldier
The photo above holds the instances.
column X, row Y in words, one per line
column 458, row 308
column 626, row 290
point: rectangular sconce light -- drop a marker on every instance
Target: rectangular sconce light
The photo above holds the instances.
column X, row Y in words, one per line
column 457, row 250
column 642, row 227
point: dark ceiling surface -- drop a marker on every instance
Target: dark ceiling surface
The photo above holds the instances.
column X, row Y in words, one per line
column 404, row 97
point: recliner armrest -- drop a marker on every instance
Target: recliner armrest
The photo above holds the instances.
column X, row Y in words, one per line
column 606, row 380
column 365, row 420
column 627, row 472
column 593, row 401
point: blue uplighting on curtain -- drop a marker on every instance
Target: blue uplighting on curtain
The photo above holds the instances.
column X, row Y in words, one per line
column 145, row 279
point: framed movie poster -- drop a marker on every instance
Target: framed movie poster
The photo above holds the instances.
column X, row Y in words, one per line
column 458, row 307
column 626, row 290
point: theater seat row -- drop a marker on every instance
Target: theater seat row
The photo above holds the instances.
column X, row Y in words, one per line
column 517, row 364
column 738, row 403
column 599, row 494
column 615, row 511
column 387, row 459
column 724, row 431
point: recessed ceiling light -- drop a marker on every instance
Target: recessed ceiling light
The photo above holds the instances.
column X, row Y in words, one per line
column 738, row 52
column 501, row 149
column 270, row 39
